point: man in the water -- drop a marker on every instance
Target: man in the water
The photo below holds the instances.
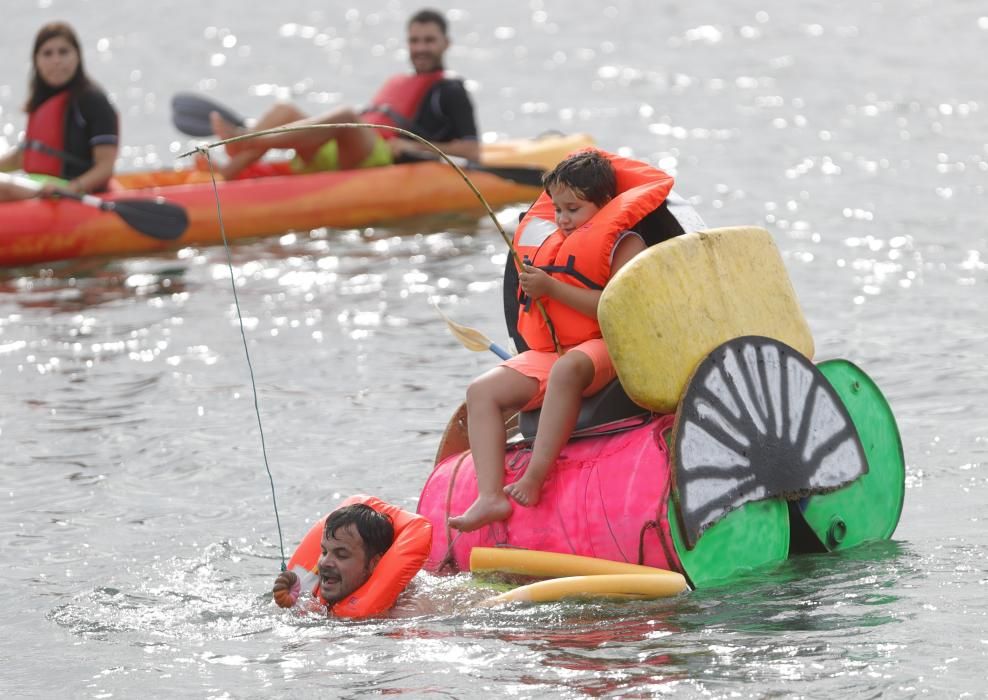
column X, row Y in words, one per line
column 354, row 540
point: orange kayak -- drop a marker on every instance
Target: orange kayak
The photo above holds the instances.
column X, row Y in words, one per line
column 42, row 230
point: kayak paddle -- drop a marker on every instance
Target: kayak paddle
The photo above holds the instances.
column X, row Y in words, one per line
column 471, row 338
column 523, row 175
column 190, row 115
column 152, row 217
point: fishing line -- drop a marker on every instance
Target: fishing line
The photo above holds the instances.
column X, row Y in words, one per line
column 233, row 282
column 243, row 337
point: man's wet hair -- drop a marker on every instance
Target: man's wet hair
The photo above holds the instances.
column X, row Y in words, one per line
column 429, row 16
column 588, row 173
column 375, row 529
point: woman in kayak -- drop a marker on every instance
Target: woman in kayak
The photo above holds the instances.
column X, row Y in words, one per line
column 72, row 129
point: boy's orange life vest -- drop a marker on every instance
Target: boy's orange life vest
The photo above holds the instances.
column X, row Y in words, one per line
column 398, row 101
column 398, row 565
column 583, row 258
column 46, row 125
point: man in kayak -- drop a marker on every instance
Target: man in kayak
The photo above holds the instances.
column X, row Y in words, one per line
column 429, row 102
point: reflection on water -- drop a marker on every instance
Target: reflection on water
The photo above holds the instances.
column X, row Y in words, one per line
column 77, row 286
column 696, row 640
column 810, row 592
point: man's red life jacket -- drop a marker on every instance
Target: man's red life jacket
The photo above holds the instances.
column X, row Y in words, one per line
column 398, row 101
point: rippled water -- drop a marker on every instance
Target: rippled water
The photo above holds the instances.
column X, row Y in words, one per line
column 137, row 533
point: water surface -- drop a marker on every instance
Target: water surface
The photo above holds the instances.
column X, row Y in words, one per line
column 137, row 532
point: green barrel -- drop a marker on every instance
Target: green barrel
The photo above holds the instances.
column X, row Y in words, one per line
column 753, row 536
column 868, row 508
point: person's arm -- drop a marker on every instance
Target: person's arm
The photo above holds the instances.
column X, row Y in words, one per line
column 462, row 148
column 12, row 160
column 104, row 159
column 458, row 109
column 459, row 127
column 101, row 138
column 537, row 283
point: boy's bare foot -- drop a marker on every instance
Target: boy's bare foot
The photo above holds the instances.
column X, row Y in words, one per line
column 226, row 130
column 525, row 491
column 485, row 510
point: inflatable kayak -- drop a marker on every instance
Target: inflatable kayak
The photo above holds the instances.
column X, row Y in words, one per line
column 721, row 447
column 36, row 230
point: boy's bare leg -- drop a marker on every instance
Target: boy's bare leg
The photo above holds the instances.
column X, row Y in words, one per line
column 489, row 398
column 569, row 378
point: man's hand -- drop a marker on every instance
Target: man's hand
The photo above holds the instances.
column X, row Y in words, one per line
column 286, row 589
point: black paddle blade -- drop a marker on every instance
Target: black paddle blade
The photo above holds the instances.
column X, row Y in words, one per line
column 152, row 217
column 523, row 175
column 190, row 114
column 519, row 174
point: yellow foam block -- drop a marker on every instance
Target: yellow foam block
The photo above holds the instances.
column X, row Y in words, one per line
column 676, row 302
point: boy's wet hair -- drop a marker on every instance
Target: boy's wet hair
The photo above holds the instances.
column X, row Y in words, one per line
column 588, row 173
column 375, row 529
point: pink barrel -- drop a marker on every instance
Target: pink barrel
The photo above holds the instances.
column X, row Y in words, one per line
column 607, row 498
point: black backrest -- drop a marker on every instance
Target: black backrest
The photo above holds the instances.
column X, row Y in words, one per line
column 606, row 406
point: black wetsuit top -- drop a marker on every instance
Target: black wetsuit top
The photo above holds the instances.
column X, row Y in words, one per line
column 446, row 113
column 90, row 121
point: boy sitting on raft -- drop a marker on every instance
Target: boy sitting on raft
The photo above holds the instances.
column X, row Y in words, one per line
column 579, row 187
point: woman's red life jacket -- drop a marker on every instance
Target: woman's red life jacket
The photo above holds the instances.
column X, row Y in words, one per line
column 46, row 125
column 398, row 101
column 582, row 258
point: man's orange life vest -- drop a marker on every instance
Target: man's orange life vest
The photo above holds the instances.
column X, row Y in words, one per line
column 398, row 101
column 398, row 565
column 583, row 258
column 46, row 126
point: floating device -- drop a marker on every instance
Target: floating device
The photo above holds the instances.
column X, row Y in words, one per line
column 619, row 586
column 529, row 562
